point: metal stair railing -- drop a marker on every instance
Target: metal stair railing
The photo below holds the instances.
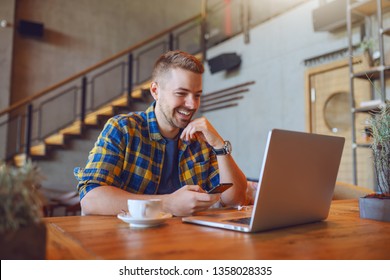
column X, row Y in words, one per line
column 38, row 116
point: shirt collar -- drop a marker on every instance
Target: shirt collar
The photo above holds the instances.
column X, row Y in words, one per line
column 154, row 131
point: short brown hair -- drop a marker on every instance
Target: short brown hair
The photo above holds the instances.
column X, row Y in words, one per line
column 176, row 59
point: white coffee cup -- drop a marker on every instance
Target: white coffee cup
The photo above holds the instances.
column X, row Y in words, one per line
column 145, row 208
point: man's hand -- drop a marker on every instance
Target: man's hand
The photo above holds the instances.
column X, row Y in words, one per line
column 187, row 200
column 202, row 128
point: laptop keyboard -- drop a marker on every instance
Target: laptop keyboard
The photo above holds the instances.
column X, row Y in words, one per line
column 244, row 221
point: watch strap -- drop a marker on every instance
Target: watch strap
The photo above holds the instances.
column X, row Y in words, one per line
column 226, row 150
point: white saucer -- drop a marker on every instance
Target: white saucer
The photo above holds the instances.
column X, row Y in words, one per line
column 144, row 222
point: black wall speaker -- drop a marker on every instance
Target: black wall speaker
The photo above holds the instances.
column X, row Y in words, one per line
column 30, row 28
column 226, row 61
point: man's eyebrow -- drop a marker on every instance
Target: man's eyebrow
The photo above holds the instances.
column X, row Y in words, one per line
column 187, row 90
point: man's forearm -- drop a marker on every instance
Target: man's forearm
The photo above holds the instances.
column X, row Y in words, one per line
column 229, row 172
column 108, row 200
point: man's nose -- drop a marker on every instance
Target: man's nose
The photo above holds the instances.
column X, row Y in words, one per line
column 191, row 102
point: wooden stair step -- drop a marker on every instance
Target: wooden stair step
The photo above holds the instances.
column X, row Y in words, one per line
column 57, row 139
column 38, row 150
column 75, row 129
column 20, row 160
column 94, row 118
column 121, row 101
column 137, row 93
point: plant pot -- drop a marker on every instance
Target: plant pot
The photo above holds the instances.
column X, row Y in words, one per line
column 26, row 243
column 375, row 208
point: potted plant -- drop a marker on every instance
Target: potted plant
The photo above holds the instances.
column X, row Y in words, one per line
column 377, row 205
column 22, row 232
column 369, row 46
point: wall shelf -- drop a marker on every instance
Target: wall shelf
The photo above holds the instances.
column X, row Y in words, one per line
column 373, row 73
column 377, row 74
column 367, row 8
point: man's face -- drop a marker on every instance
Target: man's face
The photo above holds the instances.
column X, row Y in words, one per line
column 177, row 97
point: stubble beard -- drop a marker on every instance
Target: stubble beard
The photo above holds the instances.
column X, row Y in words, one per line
column 169, row 116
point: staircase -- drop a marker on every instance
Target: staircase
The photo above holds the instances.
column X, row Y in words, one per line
column 96, row 119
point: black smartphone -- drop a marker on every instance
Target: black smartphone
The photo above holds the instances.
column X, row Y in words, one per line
column 220, row 188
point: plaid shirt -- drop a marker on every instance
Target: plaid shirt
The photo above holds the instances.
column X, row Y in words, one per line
column 129, row 154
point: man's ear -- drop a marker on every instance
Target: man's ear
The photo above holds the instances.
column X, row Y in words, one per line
column 154, row 90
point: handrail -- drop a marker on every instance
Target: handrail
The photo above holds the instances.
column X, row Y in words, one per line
column 94, row 67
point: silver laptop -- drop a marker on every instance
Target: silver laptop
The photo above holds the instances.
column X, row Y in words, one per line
column 295, row 186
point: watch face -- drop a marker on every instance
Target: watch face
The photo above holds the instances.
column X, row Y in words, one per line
column 228, row 147
column 226, row 150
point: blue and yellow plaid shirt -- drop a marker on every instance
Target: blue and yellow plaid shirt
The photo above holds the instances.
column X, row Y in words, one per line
column 129, row 154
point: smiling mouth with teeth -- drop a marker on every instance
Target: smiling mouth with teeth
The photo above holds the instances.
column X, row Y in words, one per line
column 185, row 113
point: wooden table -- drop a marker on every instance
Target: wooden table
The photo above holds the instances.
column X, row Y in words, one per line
column 342, row 236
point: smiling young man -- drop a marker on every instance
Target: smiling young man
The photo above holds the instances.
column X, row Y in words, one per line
column 162, row 152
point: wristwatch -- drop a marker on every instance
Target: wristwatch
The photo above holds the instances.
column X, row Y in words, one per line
column 226, row 150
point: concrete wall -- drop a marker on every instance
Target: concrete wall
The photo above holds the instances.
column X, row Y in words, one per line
column 274, row 60
column 7, row 8
column 80, row 33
